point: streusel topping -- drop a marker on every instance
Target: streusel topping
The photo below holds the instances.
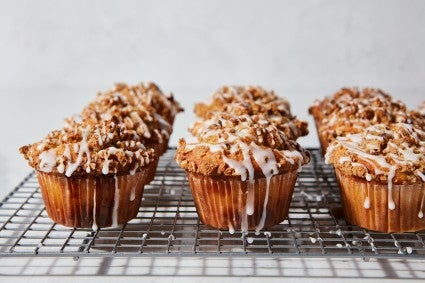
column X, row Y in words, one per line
column 240, row 146
column 372, row 104
column 111, row 136
column 382, row 153
column 351, row 110
column 253, row 101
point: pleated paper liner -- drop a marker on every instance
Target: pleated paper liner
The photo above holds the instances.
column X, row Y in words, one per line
column 92, row 201
column 365, row 204
column 231, row 204
column 159, row 149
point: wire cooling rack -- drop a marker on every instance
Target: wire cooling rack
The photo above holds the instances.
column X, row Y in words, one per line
column 167, row 225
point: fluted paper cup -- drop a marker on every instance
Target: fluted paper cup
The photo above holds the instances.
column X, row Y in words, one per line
column 366, row 204
column 92, row 201
column 231, row 204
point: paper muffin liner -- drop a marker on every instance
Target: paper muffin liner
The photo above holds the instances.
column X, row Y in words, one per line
column 92, row 201
column 159, row 149
column 365, row 204
column 150, row 175
column 228, row 203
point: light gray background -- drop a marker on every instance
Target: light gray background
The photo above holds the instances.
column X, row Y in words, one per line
column 55, row 55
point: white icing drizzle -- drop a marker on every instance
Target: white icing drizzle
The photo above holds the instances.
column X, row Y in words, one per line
column 239, row 167
column 391, row 204
column 266, row 160
column 373, row 137
column 61, row 168
column 420, row 213
column 106, row 116
column 94, row 226
column 84, row 149
column 40, row 146
column 105, row 167
column 99, row 137
column 344, row 159
column 403, row 155
column 133, row 171
column 67, row 152
column 133, row 193
column 162, row 122
column 116, row 202
column 144, row 128
column 368, row 177
column 290, row 155
column 367, row 203
column 231, row 229
column 47, row 160
column 250, row 198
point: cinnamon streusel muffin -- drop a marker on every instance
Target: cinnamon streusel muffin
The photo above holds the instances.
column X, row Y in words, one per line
column 242, row 171
column 381, row 175
column 253, row 101
column 92, row 172
column 350, row 110
column 143, row 106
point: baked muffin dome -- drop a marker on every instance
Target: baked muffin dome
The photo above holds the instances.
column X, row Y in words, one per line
column 351, row 110
column 381, row 177
column 232, row 145
column 242, row 162
column 387, row 154
column 92, row 172
column 253, row 101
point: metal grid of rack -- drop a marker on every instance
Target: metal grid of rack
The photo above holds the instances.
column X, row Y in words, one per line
column 167, row 225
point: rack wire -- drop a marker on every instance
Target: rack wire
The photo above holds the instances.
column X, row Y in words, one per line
column 167, row 225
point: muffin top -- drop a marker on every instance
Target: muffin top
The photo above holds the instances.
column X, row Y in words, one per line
column 253, row 101
column 243, row 146
column 149, row 94
column 367, row 104
column 392, row 154
column 349, row 111
column 111, row 136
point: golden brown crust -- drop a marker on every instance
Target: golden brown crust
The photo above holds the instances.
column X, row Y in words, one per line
column 350, row 100
column 253, row 101
column 381, row 153
column 350, row 110
column 113, row 135
column 227, row 138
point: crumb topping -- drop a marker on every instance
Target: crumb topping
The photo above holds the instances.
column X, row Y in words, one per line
column 253, row 101
column 242, row 146
column 112, row 135
column 393, row 154
column 350, row 100
column 351, row 110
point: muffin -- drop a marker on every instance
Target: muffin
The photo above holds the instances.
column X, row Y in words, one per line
column 350, row 110
column 93, row 171
column 253, row 101
column 381, row 176
column 242, row 172
column 143, row 106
